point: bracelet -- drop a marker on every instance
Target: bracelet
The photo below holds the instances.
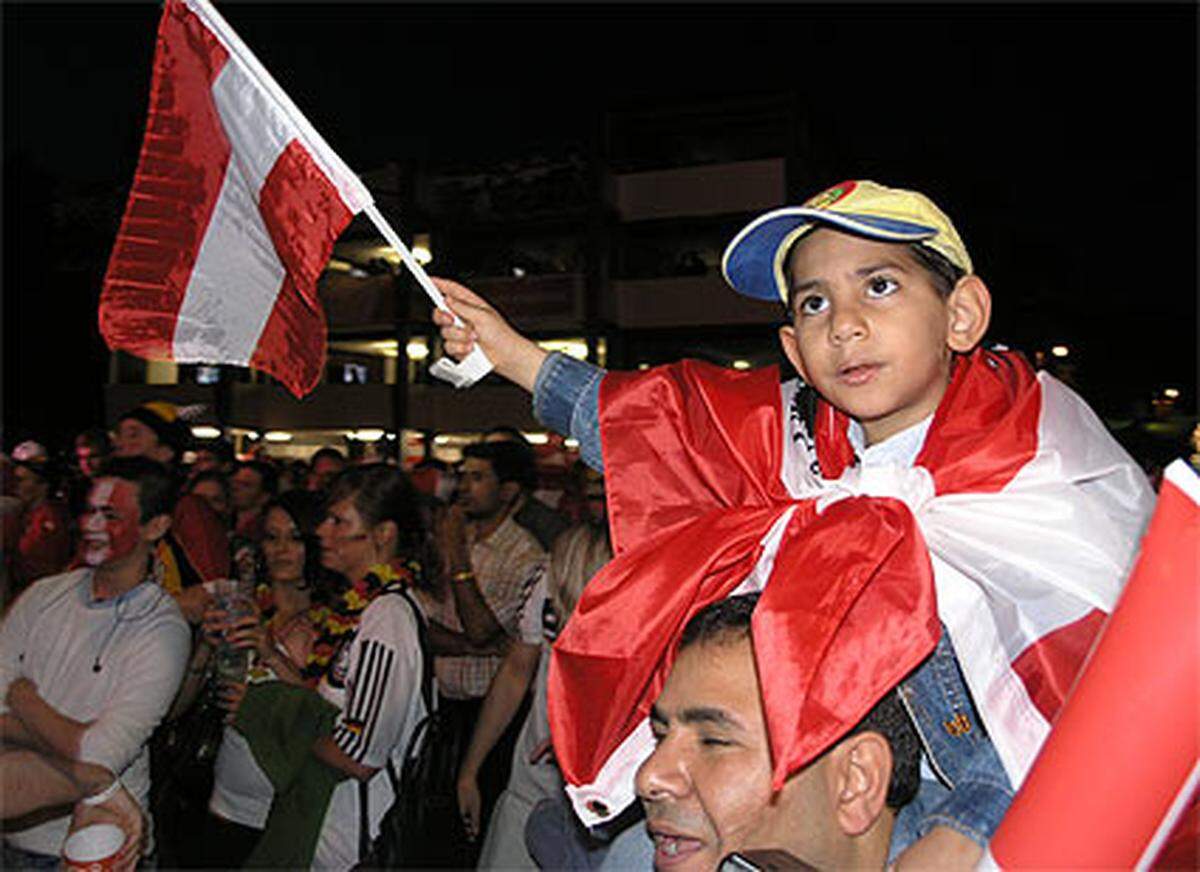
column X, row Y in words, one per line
column 104, row 795
column 465, row 575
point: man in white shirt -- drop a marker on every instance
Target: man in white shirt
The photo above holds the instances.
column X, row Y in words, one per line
column 91, row 659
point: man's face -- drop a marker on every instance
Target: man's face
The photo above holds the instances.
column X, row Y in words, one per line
column 29, row 486
column 135, row 439
column 111, row 523
column 479, row 490
column 88, row 459
column 246, row 489
column 706, row 789
column 206, row 461
column 869, row 330
column 213, row 494
column 324, row 471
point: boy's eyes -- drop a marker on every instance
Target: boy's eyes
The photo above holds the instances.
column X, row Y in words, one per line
column 813, row 304
column 877, row 286
column 881, row 286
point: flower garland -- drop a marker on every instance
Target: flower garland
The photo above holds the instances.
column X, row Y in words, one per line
column 343, row 614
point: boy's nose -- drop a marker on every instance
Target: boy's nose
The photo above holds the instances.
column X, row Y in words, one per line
column 846, row 324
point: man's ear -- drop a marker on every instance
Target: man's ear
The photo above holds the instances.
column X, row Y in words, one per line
column 509, row 491
column 156, row 528
column 863, row 770
column 791, row 348
column 969, row 312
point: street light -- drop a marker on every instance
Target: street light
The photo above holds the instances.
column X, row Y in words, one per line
column 1060, row 351
column 1171, row 393
column 422, row 252
column 417, row 349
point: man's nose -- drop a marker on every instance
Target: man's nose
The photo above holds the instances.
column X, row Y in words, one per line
column 663, row 775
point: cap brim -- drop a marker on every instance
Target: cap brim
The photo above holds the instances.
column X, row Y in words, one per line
column 752, row 263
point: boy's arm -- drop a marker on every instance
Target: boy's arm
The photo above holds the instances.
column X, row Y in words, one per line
column 514, row 357
column 566, row 392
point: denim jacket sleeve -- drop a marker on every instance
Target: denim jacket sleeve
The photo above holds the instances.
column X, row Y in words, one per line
column 566, row 398
column 972, row 791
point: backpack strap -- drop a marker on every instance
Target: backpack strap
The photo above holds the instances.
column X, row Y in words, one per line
column 427, row 676
column 427, row 694
column 364, row 820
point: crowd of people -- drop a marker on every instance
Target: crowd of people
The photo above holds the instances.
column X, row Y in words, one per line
column 281, row 577
column 789, row 624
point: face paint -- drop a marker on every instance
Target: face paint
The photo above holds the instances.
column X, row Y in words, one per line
column 111, row 522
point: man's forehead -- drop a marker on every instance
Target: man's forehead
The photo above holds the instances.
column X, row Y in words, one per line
column 112, row 492
column 477, row 464
column 715, row 676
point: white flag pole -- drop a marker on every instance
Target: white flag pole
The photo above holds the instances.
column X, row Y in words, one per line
column 475, row 365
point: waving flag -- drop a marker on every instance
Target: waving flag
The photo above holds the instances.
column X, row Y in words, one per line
column 235, row 206
column 1124, row 756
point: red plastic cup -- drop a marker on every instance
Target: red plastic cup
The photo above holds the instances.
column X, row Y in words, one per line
column 93, row 848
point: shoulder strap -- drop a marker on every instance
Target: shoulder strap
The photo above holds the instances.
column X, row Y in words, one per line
column 427, row 678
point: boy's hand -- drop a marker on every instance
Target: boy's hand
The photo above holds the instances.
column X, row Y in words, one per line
column 515, row 357
column 940, row 848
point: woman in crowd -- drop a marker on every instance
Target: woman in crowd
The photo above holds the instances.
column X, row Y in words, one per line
column 370, row 659
column 576, row 556
column 290, row 603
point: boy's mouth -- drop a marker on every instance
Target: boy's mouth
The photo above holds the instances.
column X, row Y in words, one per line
column 858, row 373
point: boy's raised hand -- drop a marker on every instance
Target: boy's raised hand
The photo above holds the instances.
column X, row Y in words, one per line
column 515, row 357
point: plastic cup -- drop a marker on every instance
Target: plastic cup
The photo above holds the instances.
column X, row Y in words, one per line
column 93, row 848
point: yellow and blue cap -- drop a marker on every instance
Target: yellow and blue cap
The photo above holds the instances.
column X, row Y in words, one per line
column 753, row 262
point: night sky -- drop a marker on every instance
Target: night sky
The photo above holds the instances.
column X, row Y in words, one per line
column 1061, row 139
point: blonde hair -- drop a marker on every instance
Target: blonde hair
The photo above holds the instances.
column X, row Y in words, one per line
column 577, row 555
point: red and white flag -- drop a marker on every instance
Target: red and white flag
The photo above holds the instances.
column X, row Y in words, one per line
column 235, row 206
column 1030, row 510
column 1115, row 786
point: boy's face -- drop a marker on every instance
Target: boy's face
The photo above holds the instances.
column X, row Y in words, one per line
column 869, row 330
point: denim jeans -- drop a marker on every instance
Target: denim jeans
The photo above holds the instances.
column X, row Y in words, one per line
column 968, row 790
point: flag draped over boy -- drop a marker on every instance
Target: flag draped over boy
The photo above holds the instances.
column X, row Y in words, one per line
column 232, row 216
column 1030, row 510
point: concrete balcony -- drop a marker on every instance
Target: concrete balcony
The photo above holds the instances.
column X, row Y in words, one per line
column 714, row 189
column 683, row 301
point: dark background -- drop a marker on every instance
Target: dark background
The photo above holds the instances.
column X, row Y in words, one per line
column 1061, row 139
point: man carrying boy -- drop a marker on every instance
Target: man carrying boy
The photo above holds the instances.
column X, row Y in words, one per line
column 1031, row 511
column 707, row 788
